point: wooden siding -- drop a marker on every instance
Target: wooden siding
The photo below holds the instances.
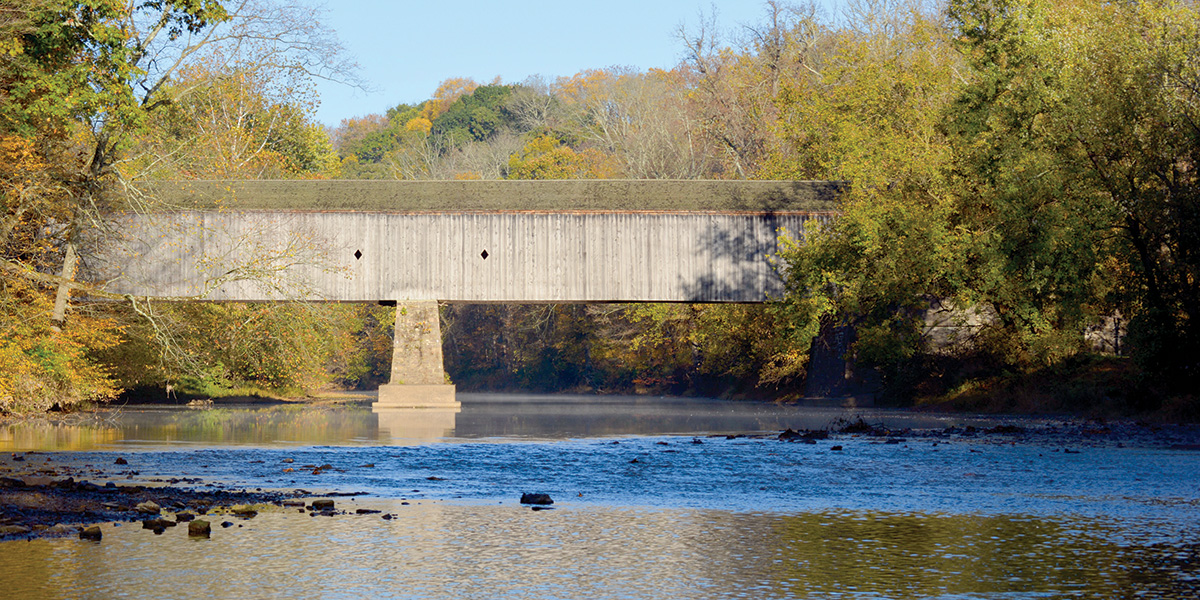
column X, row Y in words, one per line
column 532, row 256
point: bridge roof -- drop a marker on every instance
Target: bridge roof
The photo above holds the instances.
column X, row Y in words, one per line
column 459, row 196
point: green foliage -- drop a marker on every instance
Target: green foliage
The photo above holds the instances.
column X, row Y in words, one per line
column 476, row 116
column 280, row 348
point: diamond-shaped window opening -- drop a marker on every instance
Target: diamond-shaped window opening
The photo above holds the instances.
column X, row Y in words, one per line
column 357, row 254
column 484, row 254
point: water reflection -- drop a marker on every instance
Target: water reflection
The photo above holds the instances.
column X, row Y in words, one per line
column 473, row 551
column 481, row 416
column 415, row 425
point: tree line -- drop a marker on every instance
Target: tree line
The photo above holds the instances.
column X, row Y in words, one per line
column 1029, row 164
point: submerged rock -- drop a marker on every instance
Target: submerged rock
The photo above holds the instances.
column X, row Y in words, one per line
column 91, row 533
column 244, row 512
column 120, row 461
column 322, row 505
column 542, row 499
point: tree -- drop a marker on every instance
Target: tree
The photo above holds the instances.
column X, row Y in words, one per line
column 242, row 122
column 1082, row 131
column 871, row 115
column 546, row 157
column 81, row 80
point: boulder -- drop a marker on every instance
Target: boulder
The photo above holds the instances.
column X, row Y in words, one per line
column 184, row 517
column 245, row 512
column 536, row 499
column 148, row 508
column 13, row 530
column 61, row 529
column 199, row 528
column 157, row 523
column 120, row 461
column 322, row 505
column 91, row 533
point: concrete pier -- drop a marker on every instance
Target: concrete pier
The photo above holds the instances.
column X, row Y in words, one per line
column 418, row 378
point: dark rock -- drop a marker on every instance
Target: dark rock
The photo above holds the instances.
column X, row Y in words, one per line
column 435, row 478
column 184, row 517
column 536, row 499
column 836, row 448
column 244, row 512
column 17, row 458
column 322, row 504
column 10, row 482
column 789, row 435
column 120, row 461
column 537, row 508
column 806, row 435
column 367, row 511
column 1008, row 429
column 199, row 528
column 91, row 533
column 223, row 524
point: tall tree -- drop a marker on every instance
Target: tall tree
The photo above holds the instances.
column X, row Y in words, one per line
column 82, row 78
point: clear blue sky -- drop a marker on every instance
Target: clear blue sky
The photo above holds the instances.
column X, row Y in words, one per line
column 404, row 49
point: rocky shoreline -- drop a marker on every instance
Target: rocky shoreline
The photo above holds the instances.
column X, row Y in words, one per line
column 36, row 501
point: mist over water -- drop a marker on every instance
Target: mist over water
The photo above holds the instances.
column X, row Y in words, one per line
column 652, row 500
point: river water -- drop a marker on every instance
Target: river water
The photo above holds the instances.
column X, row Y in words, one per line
column 654, row 498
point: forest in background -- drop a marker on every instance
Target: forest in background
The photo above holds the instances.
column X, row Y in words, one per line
column 1030, row 163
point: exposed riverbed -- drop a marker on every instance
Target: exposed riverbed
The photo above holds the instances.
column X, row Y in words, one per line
column 653, row 498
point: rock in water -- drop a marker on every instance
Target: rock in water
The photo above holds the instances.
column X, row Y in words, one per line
column 245, row 512
column 322, row 505
column 120, row 461
column 789, row 435
column 149, row 508
column 157, row 523
column 199, row 528
column 536, row 499
column 91, row 533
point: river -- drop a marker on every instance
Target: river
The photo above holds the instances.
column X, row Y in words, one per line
column 654, row 498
